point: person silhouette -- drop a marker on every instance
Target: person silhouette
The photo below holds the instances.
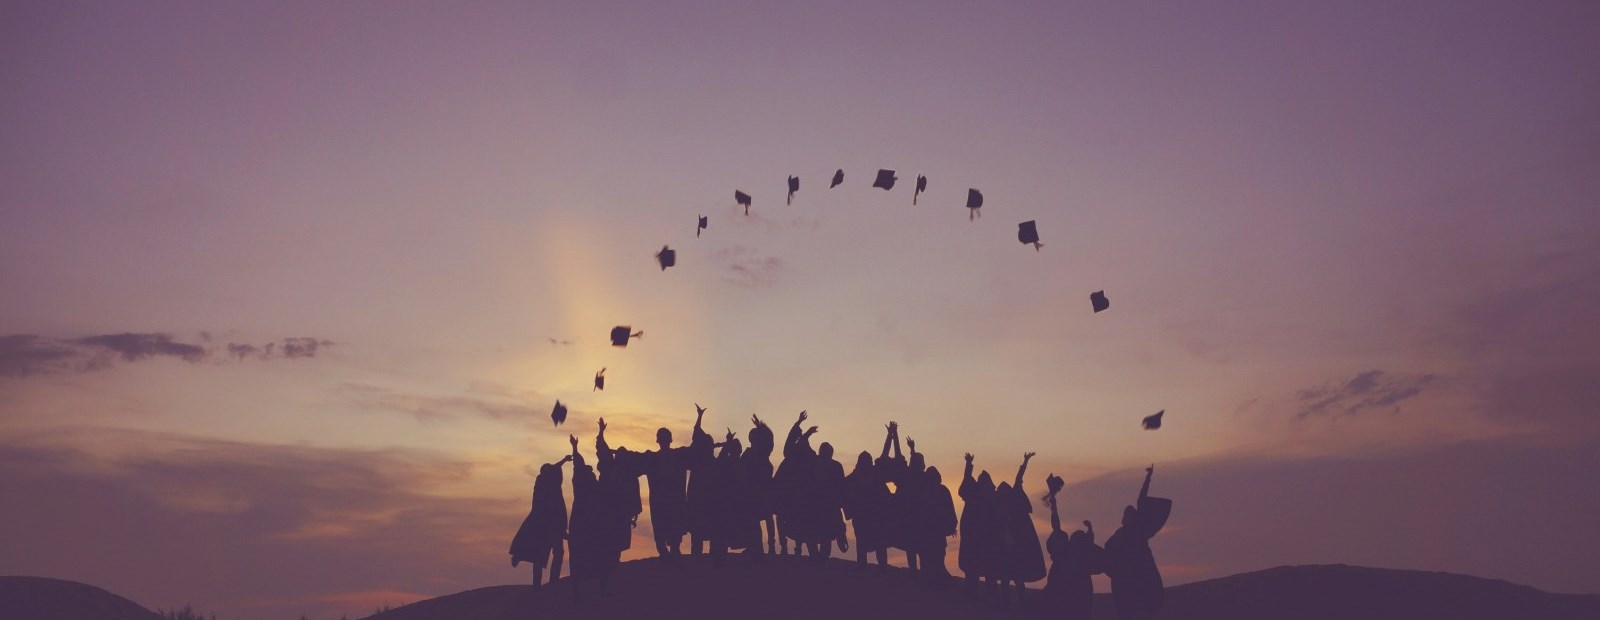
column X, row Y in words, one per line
column 666, row 471
column 1022, row 558
column 544, row 530
column 701, row 457
column 791, row 483
column 1136, row 587
column 866, row 498
column 827, row 500
column 737, row 518
column 590, row 539
column 1069, row 590
column 902, row 504
column 978, row 555
column 937, row 522
column 757, row 463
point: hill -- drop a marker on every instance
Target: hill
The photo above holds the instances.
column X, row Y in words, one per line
column 40, row 598
column 793, row 588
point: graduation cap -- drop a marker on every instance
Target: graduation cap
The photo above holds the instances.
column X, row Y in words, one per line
column 885, row 179
column 1153, row 422
column 974, row 202
column 838, row 177
column 794, row 186
column 1027, row 232
column 620, row 335
column 701, row 227
column 667, row 257
column 600, row 380
column 742, row 198
column 559, row 415
column 922, row 186
column 1098, row 298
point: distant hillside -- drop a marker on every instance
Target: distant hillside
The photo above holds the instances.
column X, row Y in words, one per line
column 40, row 598
column 791, row 588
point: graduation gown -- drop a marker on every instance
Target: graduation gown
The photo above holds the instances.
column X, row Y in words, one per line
column 545, row 527
column 667, row 473
column 866, row 500
column 979, row 552
column 1022, row 557
column 1135, row 581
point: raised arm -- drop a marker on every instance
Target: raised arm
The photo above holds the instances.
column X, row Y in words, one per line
column 1144, row 491
column 1023, row 469
column 794, row 431
column 888, row 436
column 967, row 476
column 912, row 443
column 1089, row 527
column 699, row 417
column 1055, row 515
column 577, row 459
column 894, row 431
column 602, row 450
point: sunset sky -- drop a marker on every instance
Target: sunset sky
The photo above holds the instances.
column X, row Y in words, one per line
column 1352, row 249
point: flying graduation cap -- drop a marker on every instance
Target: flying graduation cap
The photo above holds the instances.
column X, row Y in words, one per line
column 600, row 380
column 885, row 179
column 620, row 335
column 742, row 198
column 1098, row 299
column 794, row 186
column 1027, row 232
column 559, row 414
column 700, row 227
column 838, row 177
column 667, row 257
column 922, row 186
column 1153, row 422
column 974, row 202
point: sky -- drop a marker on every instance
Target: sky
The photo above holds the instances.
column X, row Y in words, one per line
column 290, row 289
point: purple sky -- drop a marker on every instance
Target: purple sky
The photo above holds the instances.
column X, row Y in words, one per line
column 1352, row 250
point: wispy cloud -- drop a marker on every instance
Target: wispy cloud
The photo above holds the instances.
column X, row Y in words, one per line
column 1373, row 389
column 23, row 355
column 748, row 267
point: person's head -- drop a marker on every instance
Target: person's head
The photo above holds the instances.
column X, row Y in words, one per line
column 664, row 438
column 934, row 477
column 731, row 449
column 864, row 461
column 825, row 451
column 1129, row 515
column 1003, row 488
column 984, row 481
column 917, row 462
column 761, row 438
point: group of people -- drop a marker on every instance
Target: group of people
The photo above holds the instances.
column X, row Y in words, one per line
column 725, row 496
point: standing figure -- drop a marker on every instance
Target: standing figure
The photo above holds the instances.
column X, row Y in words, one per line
column 866, row 499
column 979, row 554
column 594, row 513
column 1022, row 559
column 758, row 472
column 736, row 522
column 619, row 482
column 827, row 500
column 902, row 506
column 1073, row 559
column 702, row 456
column 667, row 472
column 1135, row 581
column 544, row 531
column 791, row 483
column 938, row 522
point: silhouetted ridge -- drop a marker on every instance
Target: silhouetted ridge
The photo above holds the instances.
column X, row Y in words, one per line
column 792, row 587
column 42, row 598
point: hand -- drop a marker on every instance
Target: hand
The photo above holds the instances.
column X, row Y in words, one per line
column 811, row 431
column 699, row 412
column 1087, row 524
column 755, row 419
column 573, row 439
column 729, row 437
column 1150, row 470
column 602, row 425
column 802, row 418
column 912, row 443
column 1028, row 456
column 969, row 458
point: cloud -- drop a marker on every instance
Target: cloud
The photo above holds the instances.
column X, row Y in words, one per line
column 747, row 267
column 278, row 529
column 440, row 408
column 1373, row 389
column 23, row 355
